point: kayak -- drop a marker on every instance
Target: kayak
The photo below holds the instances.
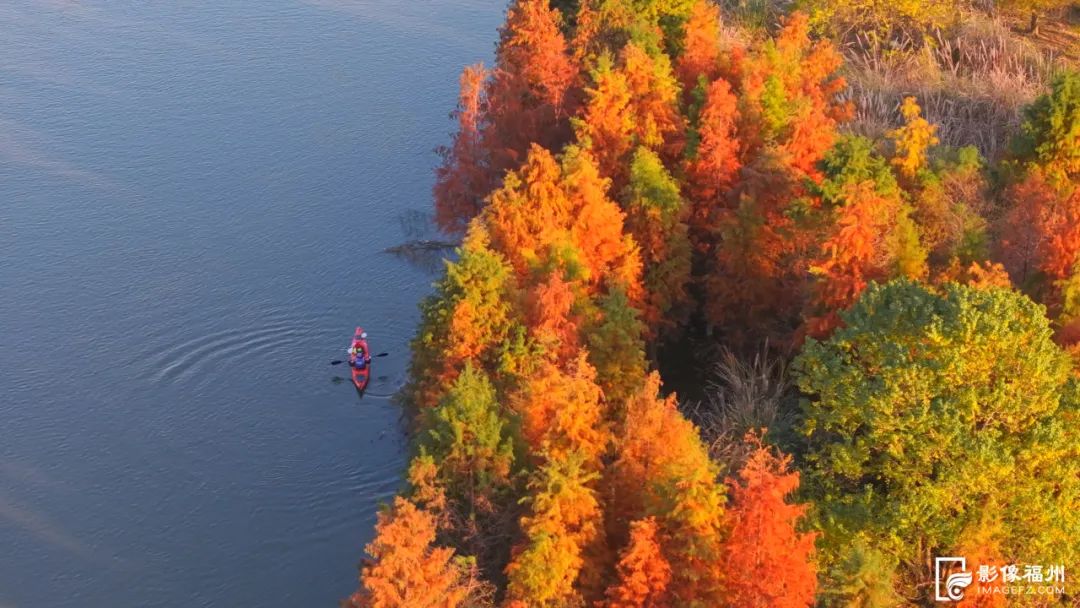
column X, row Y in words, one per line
column 360, row 375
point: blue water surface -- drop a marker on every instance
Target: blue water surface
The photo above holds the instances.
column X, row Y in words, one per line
column 194, row 200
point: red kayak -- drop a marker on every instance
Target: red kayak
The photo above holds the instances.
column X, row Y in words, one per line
column 360, row 359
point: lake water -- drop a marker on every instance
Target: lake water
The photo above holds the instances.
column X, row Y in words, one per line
column 194, row 200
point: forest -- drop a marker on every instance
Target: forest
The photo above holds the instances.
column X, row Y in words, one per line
column 756, row 305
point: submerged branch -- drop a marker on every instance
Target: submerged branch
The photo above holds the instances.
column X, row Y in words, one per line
column 421, row 245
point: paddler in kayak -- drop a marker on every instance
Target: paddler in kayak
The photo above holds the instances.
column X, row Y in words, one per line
column 359, row 354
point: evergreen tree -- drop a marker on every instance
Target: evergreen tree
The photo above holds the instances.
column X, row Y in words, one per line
column 617, row 348
column 563, row 520
column 468, row 437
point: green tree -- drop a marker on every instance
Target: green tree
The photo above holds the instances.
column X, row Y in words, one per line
column 468, row 437
column 655, row 25
column 863, row 578
column 879, row 17
column 1050, row 135
column 656, row 215
column 563, row 521
column 470, row 317
column 853, row 161
column 617, row 348
column 926, row 406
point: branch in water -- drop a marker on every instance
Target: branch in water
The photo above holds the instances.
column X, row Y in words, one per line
column 422, row 245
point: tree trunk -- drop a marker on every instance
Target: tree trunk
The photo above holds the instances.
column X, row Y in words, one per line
column 1033, row 27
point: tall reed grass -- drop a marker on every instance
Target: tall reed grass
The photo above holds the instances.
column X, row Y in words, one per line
column 972, row 81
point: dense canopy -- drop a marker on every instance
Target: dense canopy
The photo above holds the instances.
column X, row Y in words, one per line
column 641, row 185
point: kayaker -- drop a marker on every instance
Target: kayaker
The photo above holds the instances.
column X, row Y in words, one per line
column 358, row 355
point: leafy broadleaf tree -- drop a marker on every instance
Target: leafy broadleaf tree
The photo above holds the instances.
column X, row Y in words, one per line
column 1039, row 237
column 923, row 407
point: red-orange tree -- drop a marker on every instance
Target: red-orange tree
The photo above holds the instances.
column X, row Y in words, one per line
column 632, row 104
column 531, row 97
column 405, row 570
column 561, row 412
column 768, row 563
column 700, row 57
column 714, row 167
column 643, row 572
column 663, row 470
column 548, row 216
column 792, row 97
column 596, row 224
column 854, row 253
column 465, row 177
column 756, row 240
column 607, row 124
column 1040, row 235
column 527, row 98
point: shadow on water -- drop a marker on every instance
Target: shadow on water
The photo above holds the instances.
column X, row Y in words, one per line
column 380, row 382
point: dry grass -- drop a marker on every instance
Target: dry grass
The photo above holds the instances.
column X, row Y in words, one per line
column 973, row 82
column 743, row 395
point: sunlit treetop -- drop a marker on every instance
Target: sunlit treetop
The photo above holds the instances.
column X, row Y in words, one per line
column 912, row 140
column 406, row 569
column 1050, row 135
column 925, row 405
column 470, row 317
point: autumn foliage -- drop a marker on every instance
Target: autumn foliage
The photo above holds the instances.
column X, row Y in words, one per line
column 768, row 561
column 406, row 568
column 636, row 183
column 643, row 572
